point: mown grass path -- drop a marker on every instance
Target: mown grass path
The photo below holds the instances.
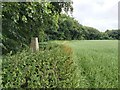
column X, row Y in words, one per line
column 97, row 62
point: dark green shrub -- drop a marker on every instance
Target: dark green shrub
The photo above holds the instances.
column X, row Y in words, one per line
column 44, row 69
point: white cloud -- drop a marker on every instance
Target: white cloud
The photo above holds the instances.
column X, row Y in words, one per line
column 100, row 14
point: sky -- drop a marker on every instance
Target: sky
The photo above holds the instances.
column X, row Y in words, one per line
column 100, row 14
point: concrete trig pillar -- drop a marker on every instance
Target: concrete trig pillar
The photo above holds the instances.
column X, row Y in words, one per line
column 34, row 45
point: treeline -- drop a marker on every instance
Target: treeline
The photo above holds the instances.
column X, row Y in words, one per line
column 22, row 21
column 70, row 29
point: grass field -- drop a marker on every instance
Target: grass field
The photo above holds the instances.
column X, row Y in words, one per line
column 97, row 63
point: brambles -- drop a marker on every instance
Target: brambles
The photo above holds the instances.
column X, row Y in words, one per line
column 44, row 69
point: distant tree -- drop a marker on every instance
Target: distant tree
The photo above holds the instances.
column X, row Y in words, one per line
column 104, row 36
column 113, row 34
column 69, row 28
column 91, row 33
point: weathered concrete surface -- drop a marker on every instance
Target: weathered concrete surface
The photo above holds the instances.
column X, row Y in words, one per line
column 34, row 45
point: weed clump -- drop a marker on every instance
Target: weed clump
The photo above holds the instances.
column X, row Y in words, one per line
column 49, row 68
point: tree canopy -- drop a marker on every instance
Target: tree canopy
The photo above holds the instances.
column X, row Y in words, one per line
column 23, row 20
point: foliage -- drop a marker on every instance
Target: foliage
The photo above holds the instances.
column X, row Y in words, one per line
column 114, row 34
column 91, row 33
column 50, row 68
column 104, row 36
column 69, row 28
column 23, row 20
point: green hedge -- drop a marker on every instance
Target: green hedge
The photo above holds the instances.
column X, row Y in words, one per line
column 51, row 68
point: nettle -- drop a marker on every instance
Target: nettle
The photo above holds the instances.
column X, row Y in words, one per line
column 49, row 68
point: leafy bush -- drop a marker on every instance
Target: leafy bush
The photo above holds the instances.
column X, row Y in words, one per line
column 48, row 68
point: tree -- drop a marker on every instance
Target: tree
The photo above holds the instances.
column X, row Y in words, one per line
column 21, row 21
column 113, row 34
column 91, row 33
column 69, row 28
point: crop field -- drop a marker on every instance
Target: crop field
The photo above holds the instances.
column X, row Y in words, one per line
column 97, row 63
column 67, row 64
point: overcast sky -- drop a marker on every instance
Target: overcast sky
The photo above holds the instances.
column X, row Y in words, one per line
column 100, row 14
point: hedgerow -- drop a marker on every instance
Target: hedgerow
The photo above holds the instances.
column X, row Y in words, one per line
column 49, row 68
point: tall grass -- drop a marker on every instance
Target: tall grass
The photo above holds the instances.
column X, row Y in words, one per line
column 97, row 63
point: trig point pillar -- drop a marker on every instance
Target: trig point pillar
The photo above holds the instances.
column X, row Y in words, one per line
column 34, row 45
